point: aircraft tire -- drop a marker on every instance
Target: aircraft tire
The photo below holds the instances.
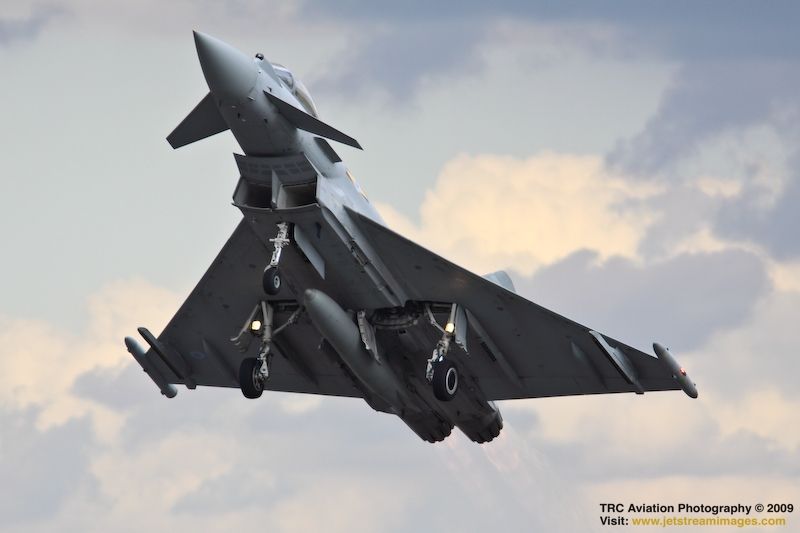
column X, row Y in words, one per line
column 248, row 381
column 271, row 281
column 445, row 380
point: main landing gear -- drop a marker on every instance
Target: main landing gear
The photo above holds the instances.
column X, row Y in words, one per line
column 271, row 280
column 251, row 381
column 254, row 371
column 441, row 372
column 444, row 379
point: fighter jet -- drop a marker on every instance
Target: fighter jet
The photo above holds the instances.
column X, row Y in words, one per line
column 313, row 294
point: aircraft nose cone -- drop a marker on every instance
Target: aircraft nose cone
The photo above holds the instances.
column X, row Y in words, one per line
column 230, row 74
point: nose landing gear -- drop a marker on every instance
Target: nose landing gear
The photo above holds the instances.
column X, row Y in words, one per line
column 271, row 280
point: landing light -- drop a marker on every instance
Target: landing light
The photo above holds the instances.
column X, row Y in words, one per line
column 683, row 371
column 450, row 327
column 255, row 325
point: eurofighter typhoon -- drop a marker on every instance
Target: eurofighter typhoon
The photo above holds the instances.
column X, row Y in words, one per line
column 313, row 294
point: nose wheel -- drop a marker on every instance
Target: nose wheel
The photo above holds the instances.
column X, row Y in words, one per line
column 271, row 281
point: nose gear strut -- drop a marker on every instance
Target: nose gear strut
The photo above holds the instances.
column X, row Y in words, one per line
column 271, row 280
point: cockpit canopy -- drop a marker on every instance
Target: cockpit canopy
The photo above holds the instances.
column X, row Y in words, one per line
column 296, row 87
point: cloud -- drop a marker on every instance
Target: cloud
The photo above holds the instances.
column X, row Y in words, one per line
column 713, row 30
column 681, row 301
column 706, row 102
column 772, row 226
column 40, row 363
column 25, row 28
column 394, row 58
column 743, row 424
column 725, row 141
column 660, row 435
column 395, row 47
column 39, row 469
column 488, row 212
column 768, row 412
column 683, row 221
column 86, row 434
column 211, row 459
column 754, row 358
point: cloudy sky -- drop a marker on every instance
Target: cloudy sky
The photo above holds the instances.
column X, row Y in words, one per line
column 634, row 166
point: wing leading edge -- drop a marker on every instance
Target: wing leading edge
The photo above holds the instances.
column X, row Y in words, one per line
column 518, row 349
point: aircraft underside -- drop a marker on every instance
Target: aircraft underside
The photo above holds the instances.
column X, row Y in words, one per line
column 284, row 346
column 313, row 294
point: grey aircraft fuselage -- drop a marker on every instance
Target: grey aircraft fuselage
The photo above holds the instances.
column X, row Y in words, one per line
column 351, row 308
column 243, row 89
column 240, row 85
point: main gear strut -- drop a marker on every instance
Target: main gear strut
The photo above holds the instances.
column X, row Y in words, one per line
column 254, row 371
column 441, row 372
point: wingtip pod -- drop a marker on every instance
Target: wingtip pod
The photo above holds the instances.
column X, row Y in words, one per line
column 138, row 353
column 677, row 371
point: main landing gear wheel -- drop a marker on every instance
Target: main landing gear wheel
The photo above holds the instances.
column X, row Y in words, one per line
column 250, row 379
column 445, row 380
column 271, row 281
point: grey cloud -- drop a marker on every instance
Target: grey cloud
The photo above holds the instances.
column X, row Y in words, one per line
column 680, row 301
column 706, row 452
column 394, row 57
column 758, row 356
column 706, row 101
column 40, row 469
column 282, row 457
column 420, row 479
column 684, row 211
column 716, row 27
column 682, row 31
column 235, row 489
column 14, row 30
column 119, row 391
column 709, row 104
column 776, row 228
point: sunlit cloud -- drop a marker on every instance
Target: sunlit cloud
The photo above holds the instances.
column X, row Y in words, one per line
column 488, row 212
